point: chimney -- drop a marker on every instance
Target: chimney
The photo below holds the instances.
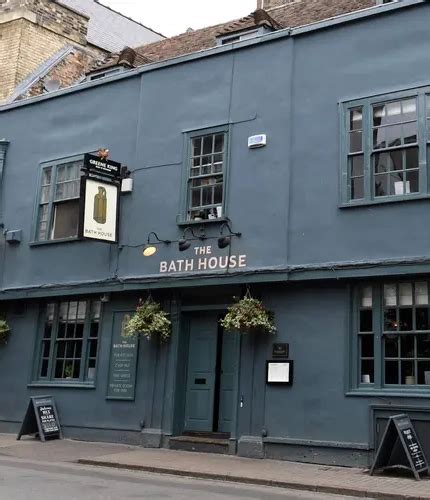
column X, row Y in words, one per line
column 270, row 4
column 127, row 57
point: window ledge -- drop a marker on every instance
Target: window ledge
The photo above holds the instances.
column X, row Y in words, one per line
column 221, row 220
column 63, row 385
column 406, row 393
column 53, row 242
column 382, row 201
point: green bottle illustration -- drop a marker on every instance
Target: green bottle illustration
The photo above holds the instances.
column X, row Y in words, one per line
column 100, row 206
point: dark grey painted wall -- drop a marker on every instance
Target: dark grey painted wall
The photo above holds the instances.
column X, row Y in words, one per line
column 283, row 198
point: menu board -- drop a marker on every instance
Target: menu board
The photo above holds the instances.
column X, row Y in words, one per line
column 123, row 361
column 412, row 444
column 400, row 430
column 41, row 418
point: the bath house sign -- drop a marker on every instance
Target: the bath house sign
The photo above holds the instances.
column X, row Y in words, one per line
column 203, row 260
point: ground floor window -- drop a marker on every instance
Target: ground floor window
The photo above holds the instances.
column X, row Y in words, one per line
column 393, row 334
column 69, row 341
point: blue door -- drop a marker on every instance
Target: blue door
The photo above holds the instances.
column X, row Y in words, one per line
column 230, row 346
column 211, row 375
column 201, row 376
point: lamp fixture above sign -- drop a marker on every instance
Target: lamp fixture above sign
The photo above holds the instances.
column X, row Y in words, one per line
column 185, row 243
column 224, row 241
column 151, row 248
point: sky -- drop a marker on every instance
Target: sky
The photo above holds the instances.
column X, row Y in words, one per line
column 171, row 17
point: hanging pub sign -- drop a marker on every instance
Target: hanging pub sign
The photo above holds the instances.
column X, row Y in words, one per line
column 400, row 448
column 99, row 210
column 101, row 165
column 41, row 417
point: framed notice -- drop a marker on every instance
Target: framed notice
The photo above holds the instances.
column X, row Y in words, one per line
column 123, row 361
column 279, row 372
column 99, row 210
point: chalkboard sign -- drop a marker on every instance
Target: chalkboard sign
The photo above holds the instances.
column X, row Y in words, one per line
column 409, row 455
column 41, row 417
column 123, row 361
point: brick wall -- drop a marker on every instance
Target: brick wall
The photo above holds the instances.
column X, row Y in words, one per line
column 68, row 72
column 10, row 38
column 53, row 16
column 31, row 32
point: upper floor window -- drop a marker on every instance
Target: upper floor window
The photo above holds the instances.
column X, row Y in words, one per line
column 238, row 37
column 58, row 207
column 385, row 149
column 206, row 168
column 69, row 341
column 393, row 335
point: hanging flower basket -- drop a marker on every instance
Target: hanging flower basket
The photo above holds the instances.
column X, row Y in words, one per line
column 4, row 332
column 149, row 321
column 248, row 315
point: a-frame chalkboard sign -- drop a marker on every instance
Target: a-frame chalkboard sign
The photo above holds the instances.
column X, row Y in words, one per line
column 41, row 417
column 400, row 448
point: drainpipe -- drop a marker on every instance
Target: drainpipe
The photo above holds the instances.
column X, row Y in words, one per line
column 3, row 149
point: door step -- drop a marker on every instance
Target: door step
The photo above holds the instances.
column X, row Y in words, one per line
column 200, row 444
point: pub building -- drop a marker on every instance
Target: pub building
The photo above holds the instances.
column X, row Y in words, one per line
column 292, row 163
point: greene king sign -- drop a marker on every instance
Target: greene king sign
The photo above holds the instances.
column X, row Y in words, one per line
column 203, row 260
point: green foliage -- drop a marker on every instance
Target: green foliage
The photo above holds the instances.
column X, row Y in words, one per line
column 68, row 371
column 4, row 331
column 149, row 320
column 249, row 314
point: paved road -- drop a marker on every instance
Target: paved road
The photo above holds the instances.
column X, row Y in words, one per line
column 25, row 480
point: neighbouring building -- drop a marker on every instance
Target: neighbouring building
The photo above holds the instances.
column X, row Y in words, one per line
column 47, row 45
column 329, row 208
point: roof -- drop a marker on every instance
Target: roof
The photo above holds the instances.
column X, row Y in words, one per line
column 111, row 30
column 290, row 15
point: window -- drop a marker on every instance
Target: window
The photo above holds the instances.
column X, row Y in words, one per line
column 96, row 75
column 206, row 168
column 69, row 344
column 238, row 37
column 393, row 335
column 58, row 207
column 385, row 148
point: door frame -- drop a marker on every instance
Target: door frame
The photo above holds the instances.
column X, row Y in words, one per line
column 186, row 314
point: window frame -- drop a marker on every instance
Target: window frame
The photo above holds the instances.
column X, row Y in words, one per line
column 355, row 386
column 422, row 95
column 188, row 136
column 50, row 380
column 54, row 164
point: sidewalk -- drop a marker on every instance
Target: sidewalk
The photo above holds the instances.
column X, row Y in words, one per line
column 317, row 478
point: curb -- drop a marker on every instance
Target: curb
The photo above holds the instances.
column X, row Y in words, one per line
column 344, row 490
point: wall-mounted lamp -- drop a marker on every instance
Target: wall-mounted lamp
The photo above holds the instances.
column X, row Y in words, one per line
column 151, row 248
column 224, row 241
column 184, row 243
